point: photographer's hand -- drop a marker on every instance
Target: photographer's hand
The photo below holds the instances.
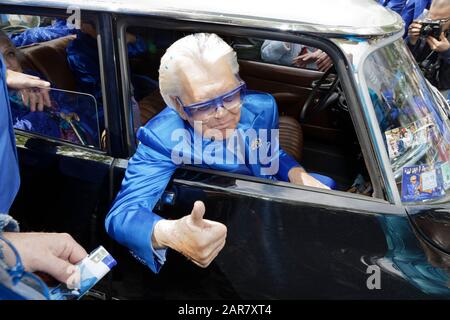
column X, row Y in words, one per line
column 440, row 45
column 414, row 32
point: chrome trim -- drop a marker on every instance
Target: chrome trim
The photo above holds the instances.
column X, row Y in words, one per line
column 350, row 17
column 371, row 119
column 64, row 148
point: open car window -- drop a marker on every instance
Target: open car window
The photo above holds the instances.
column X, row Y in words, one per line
column 72, row 117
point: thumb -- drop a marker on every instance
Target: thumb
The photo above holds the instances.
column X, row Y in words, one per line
column 198, row 212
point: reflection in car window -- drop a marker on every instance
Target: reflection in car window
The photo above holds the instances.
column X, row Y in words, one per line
column 413, row 123
column 72, row 117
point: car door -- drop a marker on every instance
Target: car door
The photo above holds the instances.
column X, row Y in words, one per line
column 64, row 181
column 284, row 242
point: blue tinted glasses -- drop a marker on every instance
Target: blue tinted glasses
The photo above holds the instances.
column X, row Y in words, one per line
column 230, row 100
column 26, row 285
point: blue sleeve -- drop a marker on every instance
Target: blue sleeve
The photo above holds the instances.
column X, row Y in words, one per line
column 82, row 58
column 286, row 162
column 41, row 34
column 131, row 219
column 272, row 51
column 137, row 47
column 396, row 5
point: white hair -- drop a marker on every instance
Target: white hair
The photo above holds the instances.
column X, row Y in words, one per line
column 200, row 50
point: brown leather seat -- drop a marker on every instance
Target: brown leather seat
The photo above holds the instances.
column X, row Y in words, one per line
column 291, row 137
column 150, row 106
column 50, row 59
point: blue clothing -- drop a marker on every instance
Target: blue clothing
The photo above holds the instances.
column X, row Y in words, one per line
column 412, row 10
column 166, row 142
column 9, row 168
column 49, row 123
column 40, row 34
column 82, row 57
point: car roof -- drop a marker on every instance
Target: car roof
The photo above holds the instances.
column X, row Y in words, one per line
column 331, row 17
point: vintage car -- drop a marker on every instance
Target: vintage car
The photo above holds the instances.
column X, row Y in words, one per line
column 371, row 122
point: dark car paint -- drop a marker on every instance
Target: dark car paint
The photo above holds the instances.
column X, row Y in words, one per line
column 283, row 241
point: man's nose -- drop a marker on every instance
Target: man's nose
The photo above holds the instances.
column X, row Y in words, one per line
column 220, row 111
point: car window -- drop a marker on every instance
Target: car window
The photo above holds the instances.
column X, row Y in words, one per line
column 71, row 116
column 314, row 126
column 54, row 50
column 275, row 52
column 413, row 122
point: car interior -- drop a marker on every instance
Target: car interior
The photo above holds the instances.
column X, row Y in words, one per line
column 321, row 138
column 315, row 125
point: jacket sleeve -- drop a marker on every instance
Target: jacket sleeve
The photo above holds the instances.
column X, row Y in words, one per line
column 41, row 34
column 131, row 220
column 286, row 162
column 445, row 56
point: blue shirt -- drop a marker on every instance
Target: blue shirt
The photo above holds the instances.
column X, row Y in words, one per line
column 131, row 219
column 9, row 168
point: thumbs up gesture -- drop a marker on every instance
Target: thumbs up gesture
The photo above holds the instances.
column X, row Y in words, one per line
column 198, row 239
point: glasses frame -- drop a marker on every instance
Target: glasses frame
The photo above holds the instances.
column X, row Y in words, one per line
column 217, row 102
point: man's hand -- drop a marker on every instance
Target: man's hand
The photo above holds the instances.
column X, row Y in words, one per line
column 414, row 32
column 322, row 60
column 198, row 239
column 301, row 177
column 440, row 45
column 33, row 91
column 53, row 253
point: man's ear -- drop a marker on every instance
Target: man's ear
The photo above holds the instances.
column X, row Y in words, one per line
column 179, row 108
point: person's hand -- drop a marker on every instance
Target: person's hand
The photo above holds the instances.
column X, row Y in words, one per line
column 53, row 253
column 198, row 239
column 33, row 91
column 414, row 32
column 322, row 60
column 300, row 177
column 440, row 45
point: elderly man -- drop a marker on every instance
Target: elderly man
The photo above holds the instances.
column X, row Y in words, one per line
column 211, row 121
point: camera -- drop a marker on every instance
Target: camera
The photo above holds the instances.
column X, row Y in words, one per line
column 432, row 29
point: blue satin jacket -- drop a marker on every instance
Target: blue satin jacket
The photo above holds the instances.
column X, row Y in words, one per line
column 9, row 168
column 131, row 220
column 40, row 34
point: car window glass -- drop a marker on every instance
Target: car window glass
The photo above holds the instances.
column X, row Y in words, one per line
column 72, row 116
column 275, row 52
column 54, row 50
column 413, row 122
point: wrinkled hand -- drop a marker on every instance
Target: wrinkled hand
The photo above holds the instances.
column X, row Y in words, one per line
column 198, row 239
column 414, row 32
column 52, row 253
column 440, row 45
column 33, row 91
column 301, row 177
column 322, row 60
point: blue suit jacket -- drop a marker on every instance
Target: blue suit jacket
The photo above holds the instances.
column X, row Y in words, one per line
column 9, row 169
column 131, row 220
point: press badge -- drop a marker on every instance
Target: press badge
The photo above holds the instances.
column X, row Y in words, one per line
column 92, row 268
column 423, row 182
